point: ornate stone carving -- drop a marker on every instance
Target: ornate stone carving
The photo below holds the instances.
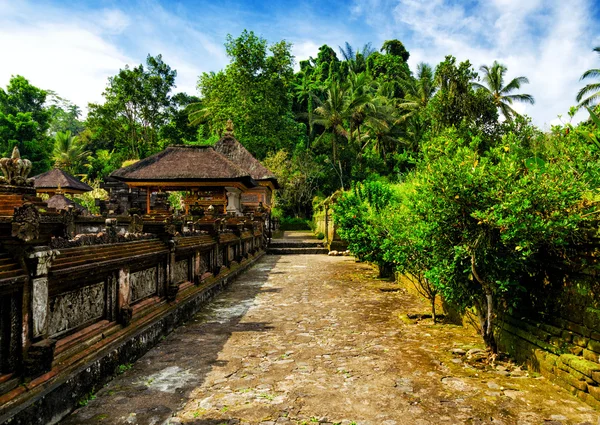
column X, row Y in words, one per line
column 26, row 223
column 68, row 217
column 72, row 309
column 143, row 283
column 15, row 170
column 136, row 225
column 181, row 271
column 171, row 226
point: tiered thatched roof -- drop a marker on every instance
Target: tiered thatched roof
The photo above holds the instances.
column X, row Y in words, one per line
column 185, row 164
column 238, row 154
column 56, row 179
column 60, row 202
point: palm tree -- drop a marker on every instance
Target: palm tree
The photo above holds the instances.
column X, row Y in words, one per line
column 68, row 152
column 356, row 59
column 417, row 91
column 303, row 92
column 592, row 90
column 493, row 77
column 331, row 114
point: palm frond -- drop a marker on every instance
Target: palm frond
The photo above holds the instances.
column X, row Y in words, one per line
column 527, row 98
column 590, row 73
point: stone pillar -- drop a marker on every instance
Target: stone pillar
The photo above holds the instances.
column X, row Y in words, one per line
column 40, row 353
column 172, row 286
column 234, row 204
column 124, row 299
column 197, row 267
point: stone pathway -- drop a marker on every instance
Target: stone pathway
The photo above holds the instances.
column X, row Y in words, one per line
column 307, row 339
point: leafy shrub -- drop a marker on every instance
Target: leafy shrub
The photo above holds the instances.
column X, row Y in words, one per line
column 293, row 223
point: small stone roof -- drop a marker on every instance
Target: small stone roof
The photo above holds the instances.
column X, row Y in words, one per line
column 61, row 202
column 185, row 164
column 56, row 178
column 237, row 153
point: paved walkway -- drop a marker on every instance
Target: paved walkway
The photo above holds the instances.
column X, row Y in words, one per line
column 308, row 339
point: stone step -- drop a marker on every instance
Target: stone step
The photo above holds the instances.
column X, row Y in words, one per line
column 282, row 244
column 296, row 251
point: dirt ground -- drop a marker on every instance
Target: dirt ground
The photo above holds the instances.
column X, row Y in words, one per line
column 307, row 339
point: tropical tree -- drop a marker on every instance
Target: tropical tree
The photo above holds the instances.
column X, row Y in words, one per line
column 590, row 94
column 68, row 152
column 493, row 77
column 356, row 59
column 24, row 121
column 418, row 91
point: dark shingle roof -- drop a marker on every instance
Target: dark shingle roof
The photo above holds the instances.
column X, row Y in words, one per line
column 185, row 163
column 237, row 153
column 54, row 178
column 60, row 202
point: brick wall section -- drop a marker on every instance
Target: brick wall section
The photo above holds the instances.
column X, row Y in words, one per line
column 563, row 343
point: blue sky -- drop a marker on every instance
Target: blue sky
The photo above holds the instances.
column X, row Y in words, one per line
column 73, row 47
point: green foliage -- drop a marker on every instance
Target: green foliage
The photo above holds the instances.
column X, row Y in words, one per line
column 24, row 121
column 137, row 104
column 253, row 91
column 298, row 177
column 478, row 225
column 293, row 223
column 68, row 153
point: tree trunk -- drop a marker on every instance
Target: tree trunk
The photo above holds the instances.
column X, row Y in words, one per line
column 485, row 312
column 433, row 315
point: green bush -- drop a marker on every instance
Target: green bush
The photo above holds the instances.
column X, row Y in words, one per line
column 320, row 236
column 294, row 223
column 479, row 222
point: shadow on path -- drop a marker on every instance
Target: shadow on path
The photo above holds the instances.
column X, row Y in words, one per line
column 161, row 381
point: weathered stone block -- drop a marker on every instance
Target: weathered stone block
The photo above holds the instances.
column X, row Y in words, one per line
column 567, row 336
column 551, row 329
column 591, row 319
column 580, row 340
column 594, row 391
column 39, row 358
column 125, row 315
column 581, row 330
column 590, row 356
column 581, row 365
column 596, row 377
column 572, row 380
column 575, row 350
column 594, row 346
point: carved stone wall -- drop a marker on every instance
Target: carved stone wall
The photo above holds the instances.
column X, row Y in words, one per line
column 10, row 326
column 72, row 309
column 181, row 271
column 143, row 283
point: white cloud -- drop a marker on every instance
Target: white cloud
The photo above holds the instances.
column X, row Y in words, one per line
column 547, row 41
column 113, row 21
column 66, row 58
column 74, row 51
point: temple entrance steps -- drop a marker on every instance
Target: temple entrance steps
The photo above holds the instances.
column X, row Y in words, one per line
column 295, row 243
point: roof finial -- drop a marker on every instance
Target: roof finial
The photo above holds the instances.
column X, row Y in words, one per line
column 229, row 128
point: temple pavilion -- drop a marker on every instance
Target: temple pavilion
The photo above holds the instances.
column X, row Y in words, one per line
column 226, row 177
column 59, row 181
column 56, row 183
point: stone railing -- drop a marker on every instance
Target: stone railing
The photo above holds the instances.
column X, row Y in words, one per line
column 67, row 280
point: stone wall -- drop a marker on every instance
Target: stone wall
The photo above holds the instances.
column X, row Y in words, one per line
column 65, row 296
column 557, row 332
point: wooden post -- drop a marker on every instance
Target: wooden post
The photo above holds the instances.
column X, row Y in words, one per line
column 148, row 200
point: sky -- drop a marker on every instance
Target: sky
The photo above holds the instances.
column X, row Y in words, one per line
column 72, row 47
